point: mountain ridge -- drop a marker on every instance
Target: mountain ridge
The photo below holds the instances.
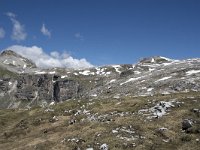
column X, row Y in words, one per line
column 150, row 76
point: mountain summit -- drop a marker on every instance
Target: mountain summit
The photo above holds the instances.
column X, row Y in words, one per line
column 15, row 62
column 155, row 59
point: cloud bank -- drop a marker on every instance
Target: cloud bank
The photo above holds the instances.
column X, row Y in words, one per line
column 55, row 59
column 18, row 32
column 45, row 31
column 2, row 33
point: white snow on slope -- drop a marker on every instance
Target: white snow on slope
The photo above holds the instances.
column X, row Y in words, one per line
column 24, row 67
column 86, row 73
column 89, row 149
column 52, row 72
column 167, row 64
column 131, row 80
column 104, row 147
column 137, row 72
column 164, row 78
column 111, row 81
column 13, row 62
column 5, row 62
column 149, row 89
column 166, row 58
column 40, row 72
column 117, row 68
column 64, row 76
column 192, row 72
column 102, row 71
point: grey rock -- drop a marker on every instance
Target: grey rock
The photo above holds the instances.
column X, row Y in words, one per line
column 186, row 124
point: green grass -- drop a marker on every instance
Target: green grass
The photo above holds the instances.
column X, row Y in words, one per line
column 4, row 73
column 36, row 129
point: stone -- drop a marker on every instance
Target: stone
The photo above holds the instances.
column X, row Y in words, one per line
column 186, row 124
column 104, row 147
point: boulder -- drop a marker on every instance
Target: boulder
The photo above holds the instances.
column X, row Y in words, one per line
column 186, row 124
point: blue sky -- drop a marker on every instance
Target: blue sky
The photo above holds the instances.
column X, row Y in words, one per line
column 105, row 31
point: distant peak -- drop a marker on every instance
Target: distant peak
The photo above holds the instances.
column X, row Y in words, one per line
column 155, row 59
column 9, row 52
column 13, row 56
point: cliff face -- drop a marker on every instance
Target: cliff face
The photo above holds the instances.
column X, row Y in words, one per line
column 29, row 90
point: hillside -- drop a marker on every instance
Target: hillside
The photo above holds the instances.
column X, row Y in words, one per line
column 151, row 122
column 153, row 104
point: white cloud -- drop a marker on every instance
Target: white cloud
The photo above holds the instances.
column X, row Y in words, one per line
column 45, row 31
column 55, row 59
column 18, row 32
column 2, row 33
column 10, row 14
column 78, row 36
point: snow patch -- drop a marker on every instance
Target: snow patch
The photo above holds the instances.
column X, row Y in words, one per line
column 192, row 72
column 104, row 147
column 111, row 81
column 87, row 72
column 166, row 58
column 52, row 103
column 107, row 73
column 52, row 72
column 164, row 78
column 94, row 95
column 167, row 64
column 163, row 128
column 151, row 69
column 137, row 72
column 89, row 149
column 117, row 67
column 102, row 71
column 5, row 62
column 114, row 131
column 24, row 66
column 40, row 72
column 165, row 92
column 65, row 76
column 131, row 80
column 149, row 89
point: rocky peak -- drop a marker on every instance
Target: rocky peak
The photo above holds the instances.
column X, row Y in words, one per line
column 154, row 59
column 9, row 53
column 15, row 62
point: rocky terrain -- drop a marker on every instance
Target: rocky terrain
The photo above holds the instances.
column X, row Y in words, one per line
column 153, row 104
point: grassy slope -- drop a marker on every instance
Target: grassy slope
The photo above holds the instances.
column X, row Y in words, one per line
column 6, row 73
column 36, row 129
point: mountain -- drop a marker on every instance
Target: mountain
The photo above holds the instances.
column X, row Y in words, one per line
column 150, row 76
column 153, row 104
column 15, row 62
